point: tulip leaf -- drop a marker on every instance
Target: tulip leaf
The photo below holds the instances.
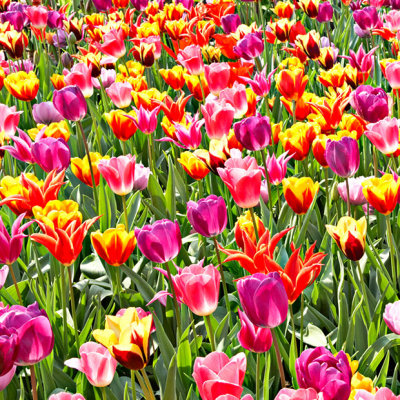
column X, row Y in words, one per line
column 170, row 388
column 184, row 357
column 158, row 202
column 314, row 336
column 167, row 350
column 92, row 267
column 170, row 194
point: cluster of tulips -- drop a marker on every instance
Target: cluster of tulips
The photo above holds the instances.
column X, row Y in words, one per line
column 199, row 200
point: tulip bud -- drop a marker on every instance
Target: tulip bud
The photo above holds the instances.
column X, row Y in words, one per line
column 67, row 61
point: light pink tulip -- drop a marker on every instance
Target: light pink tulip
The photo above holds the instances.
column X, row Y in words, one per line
column 392, row 20
column 66, row 396
column 191, row 59
column 218, row 116
column 300, row 394
column 217, row 76
column 392, row 73
column 81, row 76
column 392, row 316
column 9, row 120
column 384, row 135
column 381, row 394
column 120, row 94
column 145, row 121
column 119, row 172
column 3, row 276
column 236, row 96
column 7, row 378
column 96, row 363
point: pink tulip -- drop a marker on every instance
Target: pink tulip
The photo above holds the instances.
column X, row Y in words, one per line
column 391, row 316
column 392, row 73
column 260, row 83
column 142, row 175
column 243, row 179
column 199, row 287
column 37, row 16
column 230, row 397
column 66, row 396
column 218, row 116
column 81, row 76
column 7, row 378
column 51, row 154
column 3, row 275
column 120, row 94
column 145, row 121
column 191, row 59
column 381, row 394
column 96, row 363
column 113, row 44
column 11, row 246
column 70, row 103
column 384, row 135
column 22, row 149
column 236, row 96
column 300, row 394
column 392, row 20
column 217, row 76
column 277, row 167
column 119, row 172
column 9, row 120
column 107, row 77
column 217, row 375
column 357, row 197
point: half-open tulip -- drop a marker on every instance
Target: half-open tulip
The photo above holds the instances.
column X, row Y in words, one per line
column 217, row 76
column 51, row 154
column 384, row 135
column 70, row 103
column 23, row 86
column 191, row 59
column 218, row 116
column 391, row 316
column 80, row 168
column 277, row 167
column 253, row 133
column 291, row 83
column 343, row 156
column 299, row 193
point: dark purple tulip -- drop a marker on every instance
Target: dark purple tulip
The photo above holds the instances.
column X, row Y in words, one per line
column 16, row 18
column 35, row 335
column 328, row 374
column 371, row 104
column 159, row 242
column 102, row 5
column 264, row 299
column 70, row 103
column 343, row 156
column 55, row 20
column 67, row 61
column 8, row 349
column 50, row 153
column 140, row 5
column 15, row 6
column 366, row 19
column 208, row 216
column 325, row 12
column 395, row 4
column 251, row 46
column 45, row 113
column 230, row 23
column 253, row 133
column 60, row 39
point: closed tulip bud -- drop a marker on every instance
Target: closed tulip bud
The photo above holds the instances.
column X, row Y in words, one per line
column 121, row 125
column 217, row 76
column 51, row 154
column 173, row 77
column 152, row 244
column 343, row 156
column 218, row 116
column 284, row 9
column 23, row 86
column 45, row 113
column 102, row 5
column 191, row 59
column 384, row 135
column 193, row 166
column 291, row 83
column 144, row 53
column 70, row 103
column 252, row 337
column 253, row 133
column 299, row 193
column 120, row 94
column 81, row 76
column 391, row 316
column 325, row 12
column 80, row 168
column 208, row 216
column 230, row 23
column 350, row 236
column 37, row 16
column 250, row 47
column 264, row 299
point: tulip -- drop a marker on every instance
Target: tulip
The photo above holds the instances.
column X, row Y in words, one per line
column 243, row 179
column 96, row 363
column 7, row 378
column 142, row 175
column 391, row 316
column 80, row 168
column 70, row 103
column 23, row 86
column 127, row 337
column 250, row 46
column 19, row 20
column 37, row 16
column 382, row 193
column 264, row 299
column 51, row 154
column 217, row 76
column 81, row 76
column 199, row 287
column 55, row 19
column 245, row 231
column 299, row 394
column 310, row 7
column 230, row 23
column 218, row 116
column 253, row 133
column 45, row 113
column 173, row 77
column 371, row 104
column 381, row 394
column 119, row 172
column 291, row 84
column 11, row 246
column 22, row 149
column 120, row 94
column 191, row 59
column 145, row 120
column 107, row 76
column 193, row 166
column 122, row 126
column 252, row 337
column 66, row 396
column 115, row 245
column 309, row 44
column 35, row 335
column 325, row 12
column 236, row 96
column 102, row 5
column 319, row 369
column 151, row 240
column 384, row 135
column 366, row 19
column 277, row 167
column 113, row 44
column 356, row 191
column 299, row 193
column 343, row 156
column 8, row 350
column 260, row 83
column 217, row 375
column 9, row 120
column 392, row 74
column 208, row 216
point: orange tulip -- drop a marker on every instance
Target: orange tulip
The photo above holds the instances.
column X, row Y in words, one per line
column 14, row 43
column 122, row 127
column 58, row 81
column 244, row 227
column 23, row 86
column 173, row 77
column 299, row 193
column 80, row 168
column 193, row 166
column 291, row 83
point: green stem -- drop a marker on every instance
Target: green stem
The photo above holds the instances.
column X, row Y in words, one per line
column 253, row 218
column 133, row 384
column 175, row 300
column 392, row 254
column 224, row 286
column 194, row 332
column 269, row 187
column 148, row 384
column 327, row 195
column 293, row 330
column 294, row 111
column 73, row 309
column 258, row 377
column 33, row 382
column 103, row 393
column 301, row 322
column 125, row 212
column 64, row 306
column 348, row 197
column 364, row 291
column 142, row 385
column 15, row 283
column 210, row 332
column 150, row 151
column 278, row 358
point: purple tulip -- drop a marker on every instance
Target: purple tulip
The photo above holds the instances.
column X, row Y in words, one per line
column 343, row 156
column 140, row 5
column 34, row 332
column 102, row 5
column 357, row 197
column 159, row 242
column 208, row 216
column 60, row 39
column 55, row 20
column 371, row 104
column 319, row 369
column 264, row 299
column 188, row 4
column 366, row 19
column 70, row 103
column 45, row 113
column 50, row 153
column 17, row 19
column 253, row 133
column 11, row 246
column 15, row 6
column 141, row 178
column 8, row 349
column 325, row 12
column 22, row 149
column 250, row 47
column 230, row 23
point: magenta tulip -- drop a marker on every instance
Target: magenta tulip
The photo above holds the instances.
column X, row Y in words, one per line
column 159, row 242
column 191, row 59
column 253, row 133
column 102, row 5
column 277, row 167
column 250, row 46
column 51, row 154
column 96, row 363
column 70, row 103
column 384, row 135
column 217, row 76
column 8, row 349
column 217, row 375
column 22, row 149
column 4, row 270
column 208, row 216
column 300, row 394
column 391, row 316
column 264, row 299
column 119, row 173
column 7, row 378
column 145, row 121
column 343, row 156
column 230, row 23
column 218, row 116
column 260, row 83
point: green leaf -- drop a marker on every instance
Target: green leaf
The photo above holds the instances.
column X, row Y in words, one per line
column 184, row 358
column 170, row 388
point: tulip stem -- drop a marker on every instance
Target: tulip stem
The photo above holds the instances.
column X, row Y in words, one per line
column 269, row 188
column 210, row 332
column 258, row 377
column 150, row 151
column 253, row 218
column 148, row 384
column 133, row 384
column 33, row 381
column 103, row 393
column 194, row 332
column 224, row 286
column 73, row 309
column 293, row 330
column 176, row 305
column 64, row 307
column 301, row 321
column 390, row 241
column 364, row 291
column 15, row 283
column 85, row 143
column 348, row 197
column 278, row 358
column 294, row 111
column 327, row 195
column 125, row 212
